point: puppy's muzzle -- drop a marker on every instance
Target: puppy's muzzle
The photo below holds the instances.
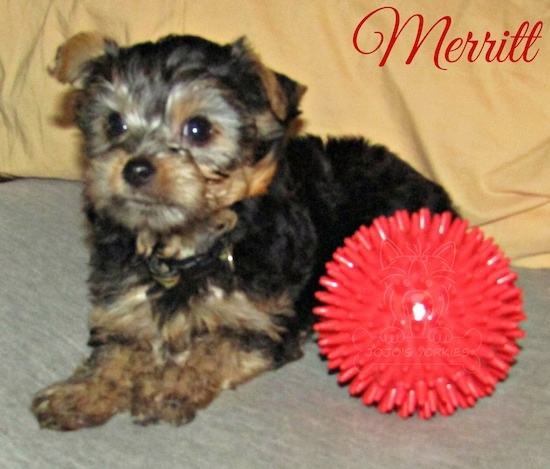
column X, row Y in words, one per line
column 138, row 171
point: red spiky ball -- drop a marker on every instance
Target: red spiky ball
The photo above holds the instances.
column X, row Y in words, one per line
column 419, row 314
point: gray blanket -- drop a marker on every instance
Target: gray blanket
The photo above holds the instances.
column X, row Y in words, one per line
column 295, row 417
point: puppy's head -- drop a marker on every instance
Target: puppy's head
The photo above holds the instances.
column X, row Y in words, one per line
column 175, row 130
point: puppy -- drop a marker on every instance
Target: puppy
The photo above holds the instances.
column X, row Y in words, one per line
column 209, row 223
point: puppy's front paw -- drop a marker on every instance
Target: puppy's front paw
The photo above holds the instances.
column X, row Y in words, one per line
column 72, row 405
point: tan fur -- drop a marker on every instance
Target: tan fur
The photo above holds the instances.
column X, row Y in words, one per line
column 99, row 388
column 204, row 98
column 224, row 186
column 74, row 53
column 243, row 182
column 215, row 310
column 212, row 365
column 130, row 318
column 154, row 382
column 182, row 244
column 166, row 367
column 276, row 95
column 104, row 182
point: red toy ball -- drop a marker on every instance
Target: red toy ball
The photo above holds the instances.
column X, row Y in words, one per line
column 419, row 314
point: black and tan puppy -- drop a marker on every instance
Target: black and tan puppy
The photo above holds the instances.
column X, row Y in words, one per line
column 209, row 223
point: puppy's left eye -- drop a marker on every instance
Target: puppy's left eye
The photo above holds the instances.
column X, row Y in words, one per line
column 198, row 130
column 115, row 125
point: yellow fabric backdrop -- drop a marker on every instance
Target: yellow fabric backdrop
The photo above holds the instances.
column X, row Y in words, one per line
column 481, row 129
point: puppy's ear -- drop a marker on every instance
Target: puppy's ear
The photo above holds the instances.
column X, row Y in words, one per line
column 74, row 54
column 283, row 93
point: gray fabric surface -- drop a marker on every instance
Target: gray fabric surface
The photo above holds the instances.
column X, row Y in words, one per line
column 294, row 417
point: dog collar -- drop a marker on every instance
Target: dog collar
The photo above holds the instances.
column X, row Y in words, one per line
column 169, row 272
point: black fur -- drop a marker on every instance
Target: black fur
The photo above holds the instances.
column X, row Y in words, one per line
column 321, row 194
column 242, row 220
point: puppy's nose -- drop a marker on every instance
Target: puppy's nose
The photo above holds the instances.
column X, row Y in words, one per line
column 138, row 171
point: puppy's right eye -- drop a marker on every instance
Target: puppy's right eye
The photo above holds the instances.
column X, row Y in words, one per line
column 115, row 125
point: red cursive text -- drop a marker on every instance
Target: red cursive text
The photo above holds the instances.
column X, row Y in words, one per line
column 510, row 47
